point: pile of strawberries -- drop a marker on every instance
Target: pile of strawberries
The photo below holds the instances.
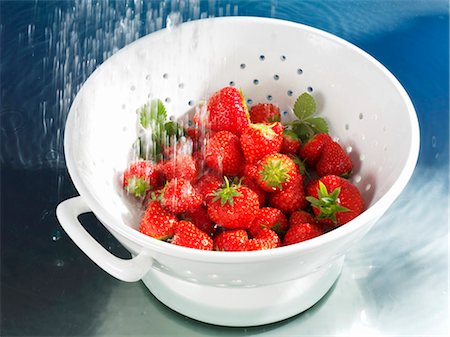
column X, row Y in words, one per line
column 239, row 180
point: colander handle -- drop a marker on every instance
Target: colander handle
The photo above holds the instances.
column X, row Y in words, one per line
column 130, row 270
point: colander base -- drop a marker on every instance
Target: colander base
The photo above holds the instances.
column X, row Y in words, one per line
column 242, row 305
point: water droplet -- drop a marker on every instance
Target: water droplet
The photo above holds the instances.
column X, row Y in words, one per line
column 433, row 141
column 56, row 235
column 173, row 20
column 59, row 263
column 349, row 149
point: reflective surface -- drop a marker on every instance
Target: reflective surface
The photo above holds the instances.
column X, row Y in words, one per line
column 394, row 281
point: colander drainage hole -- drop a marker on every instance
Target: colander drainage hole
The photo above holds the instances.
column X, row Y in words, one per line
column 284, row 113
column 165, row 75
column 249, row 101
column 361, row 116
column 347, row 127
column 255, row 81
column 262, row 57
column 290, row 92
column 232, row 83
column 132, row 88
column 283, row 58
column 242, row 66
column 191, row 103
column 269, row 97
column 167, row 100
column 310, row 89
column 181, row 85
column 276, row 77
column 299, row 71
column 123, row 106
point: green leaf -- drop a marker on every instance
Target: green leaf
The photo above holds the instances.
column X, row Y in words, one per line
column 152, row 113
column 303, row 130
column 173, row 129
column 304, row 106
column 318, row 124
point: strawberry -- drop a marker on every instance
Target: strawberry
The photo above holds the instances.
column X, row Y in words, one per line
column 233, row 206
column 188, row 235
column 290, row 199
column 277, row 172
column 199, row 217
column 334, row 200
column 182, row 166
column 251, row 184
column 180, row 196
column 140, row 177
column 301, row 231
column 224, row 153
column 291, row 144
column 227, row 111
column 301, row 216
column 184, row 146
column 251, row 171
column 312, row 149
column 334, row 160
column 259, row 140
column 265, row 239
column 157, row 222
column 237, row 240
column 207, row 185
column 231, row 240
column 264, row 113
column 268, row 217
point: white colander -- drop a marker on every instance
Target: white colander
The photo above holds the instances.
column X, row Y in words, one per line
column 368, row 111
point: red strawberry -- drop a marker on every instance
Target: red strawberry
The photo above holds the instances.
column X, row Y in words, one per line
column 224, row 153
column 199, row 217
column 277, row 172
column 184, row 146
column 264, row 113
column 299, row 232
column 140, row 177
column 182, row 166
column 251, row 184
column 259, row 140
column 207, row 185
column 251, row 171
column 157, row 222
column 265, row 239
column 291, row 143
column 312, row 149
column 268, row 217
column 233, row 206
column 188, row 235
column 301, row 216
column 231, row 240
column 290, row 199
column 334, row 200
column 180, row 196
column 194, row 133
column 334, row 160
column 227, row 111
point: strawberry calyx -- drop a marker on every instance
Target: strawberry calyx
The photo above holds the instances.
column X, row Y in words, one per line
column 266, row 129
column 137, row 186
column 227, row 193
column 274, row 173
column 327, row 204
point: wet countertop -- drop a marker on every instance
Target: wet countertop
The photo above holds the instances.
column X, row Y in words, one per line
column 394, row 281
